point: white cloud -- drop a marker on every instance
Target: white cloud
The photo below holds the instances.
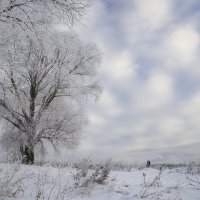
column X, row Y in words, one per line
column 191, row 107
column 153, row 14
column 95, row 119
column 181, row 46
column 118, row 66
column 156, row 92
column 145, row 17
column 108, row 104
column 170, row 125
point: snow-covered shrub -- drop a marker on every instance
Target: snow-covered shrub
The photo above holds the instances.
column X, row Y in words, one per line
column 194, row 182
column 10, row 156
column 51, row 187
column 11, row 182
column 193, row 168
column 83, row 166
column 147, row 189
column 88, row 174
column 190, row 168
column 102, row 172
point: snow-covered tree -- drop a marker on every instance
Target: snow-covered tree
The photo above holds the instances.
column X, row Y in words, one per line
column 45, row 76
column 42, row 89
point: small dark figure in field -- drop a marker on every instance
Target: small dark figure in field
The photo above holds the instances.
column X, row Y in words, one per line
column 148, row 163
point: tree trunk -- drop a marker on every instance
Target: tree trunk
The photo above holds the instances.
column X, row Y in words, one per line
column 27, row 155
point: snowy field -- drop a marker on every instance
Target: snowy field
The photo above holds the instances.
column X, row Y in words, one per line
column 46, row 182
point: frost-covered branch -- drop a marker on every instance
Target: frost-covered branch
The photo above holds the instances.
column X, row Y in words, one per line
column 32, row 12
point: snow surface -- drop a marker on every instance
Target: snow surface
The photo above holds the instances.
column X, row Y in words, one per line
column 45, row 182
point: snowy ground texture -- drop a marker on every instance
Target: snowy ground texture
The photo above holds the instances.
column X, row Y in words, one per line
column 55, row 183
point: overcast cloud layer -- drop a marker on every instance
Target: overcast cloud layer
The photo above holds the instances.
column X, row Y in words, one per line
column 150, row 107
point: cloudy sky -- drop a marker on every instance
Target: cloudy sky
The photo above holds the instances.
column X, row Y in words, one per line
column 150, row 74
